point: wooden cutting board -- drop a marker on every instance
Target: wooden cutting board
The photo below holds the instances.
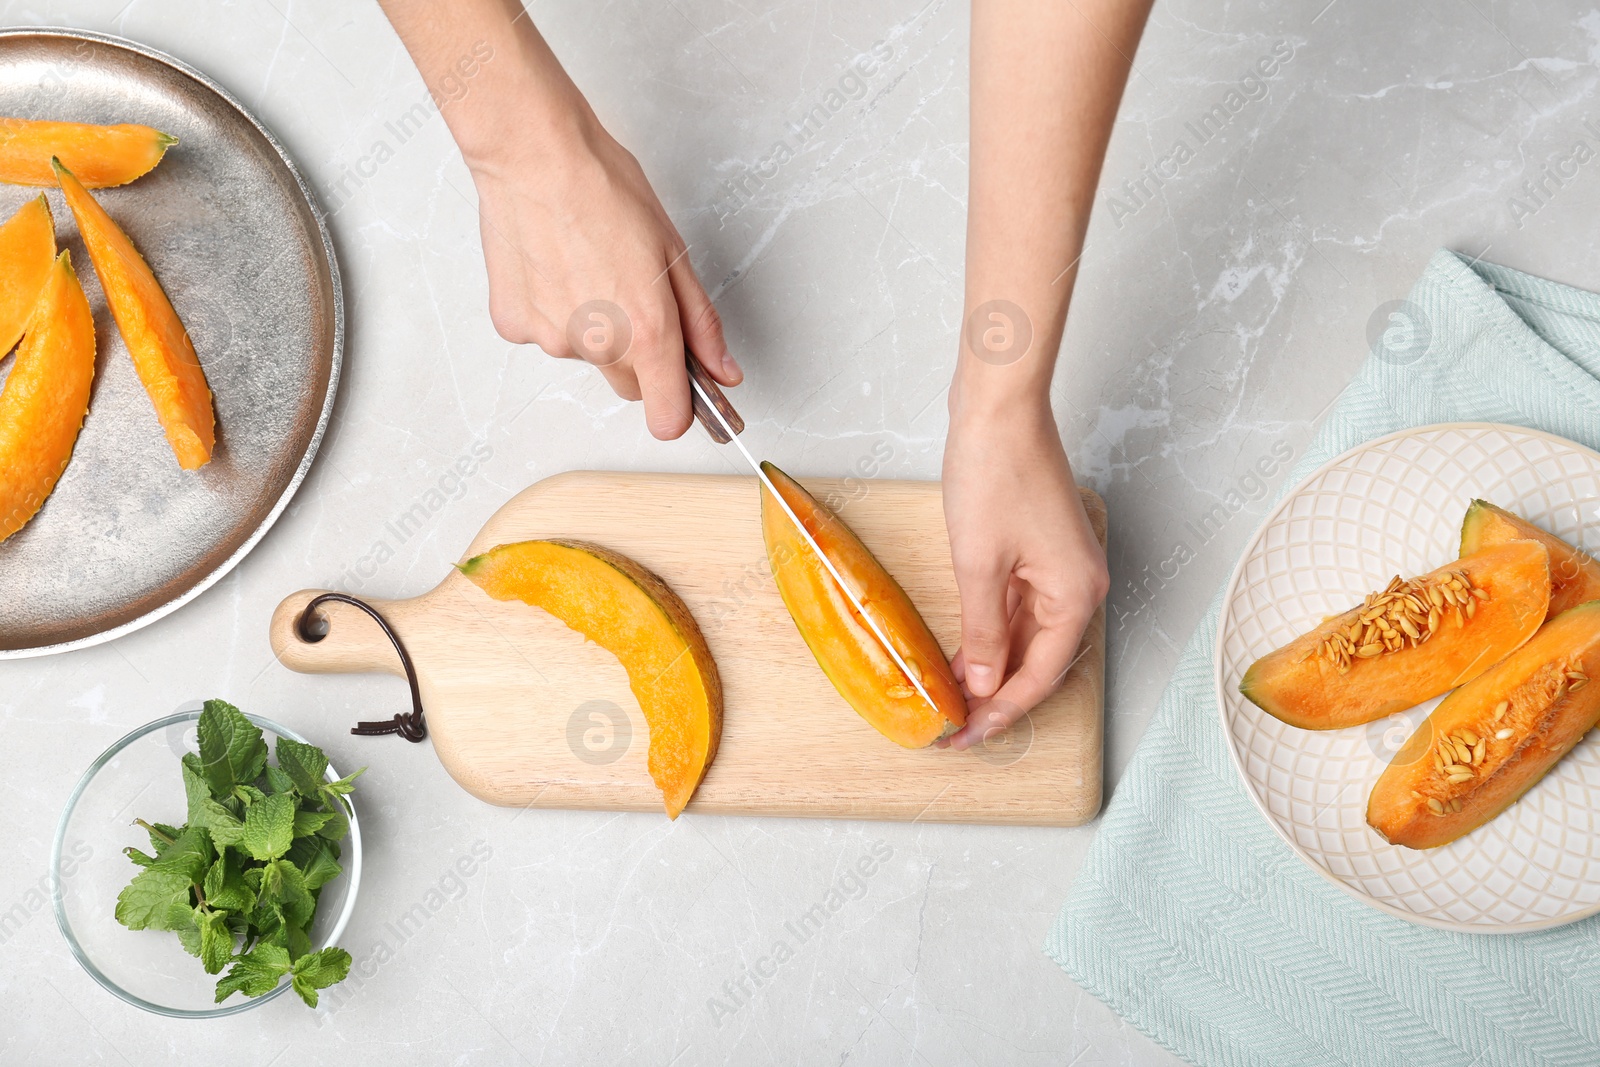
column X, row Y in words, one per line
column 524, row 711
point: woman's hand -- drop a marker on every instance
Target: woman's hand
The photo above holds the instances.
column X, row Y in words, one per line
column 1046, row 80
column 1027, row 563
column 582, row 259
column 584, row 263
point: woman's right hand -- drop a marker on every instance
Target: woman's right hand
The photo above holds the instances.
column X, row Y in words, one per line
column 582, row 259
column 584, row 263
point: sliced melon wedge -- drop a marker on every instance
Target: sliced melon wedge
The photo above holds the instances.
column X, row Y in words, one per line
column 634, row 615
column 160, row 346
column 845, row 648
column 100, row 156
column 1362, row 664
column 1574, row 574
column 27, row 250
column 1491, row 741
column 45, row 398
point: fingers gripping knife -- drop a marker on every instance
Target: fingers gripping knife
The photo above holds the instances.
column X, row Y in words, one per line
column 724, row 425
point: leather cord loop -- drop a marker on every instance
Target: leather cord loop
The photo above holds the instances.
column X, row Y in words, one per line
column 411, row 726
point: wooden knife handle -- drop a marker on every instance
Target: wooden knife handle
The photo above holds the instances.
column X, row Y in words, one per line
column 698, row 373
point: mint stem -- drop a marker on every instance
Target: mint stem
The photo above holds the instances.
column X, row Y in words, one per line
column 153, row 830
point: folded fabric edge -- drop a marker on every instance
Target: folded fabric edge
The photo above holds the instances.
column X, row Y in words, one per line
column 1558, row 296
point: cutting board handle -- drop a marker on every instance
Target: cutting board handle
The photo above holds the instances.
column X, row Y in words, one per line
column 352, row 643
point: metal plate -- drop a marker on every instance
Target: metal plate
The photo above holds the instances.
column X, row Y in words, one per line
column 232, row 231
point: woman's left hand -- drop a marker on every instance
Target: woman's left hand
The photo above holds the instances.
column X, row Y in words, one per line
column 1029, row 568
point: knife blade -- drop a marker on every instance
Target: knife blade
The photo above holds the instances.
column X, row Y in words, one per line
column 722, row 422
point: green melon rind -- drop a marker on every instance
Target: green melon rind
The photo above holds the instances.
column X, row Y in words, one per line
column 1472, row 525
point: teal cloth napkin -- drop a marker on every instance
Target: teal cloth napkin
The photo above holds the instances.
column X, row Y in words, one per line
column 1192, row 918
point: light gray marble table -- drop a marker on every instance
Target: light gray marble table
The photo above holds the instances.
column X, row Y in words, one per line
column 1219, row 311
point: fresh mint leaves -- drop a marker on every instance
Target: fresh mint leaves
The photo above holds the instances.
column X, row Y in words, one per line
column 269, row 826
column 319, row 970
column 238, row 882
column 263, row 967
column 147, row 899
column 304, row 765
column 232, row 750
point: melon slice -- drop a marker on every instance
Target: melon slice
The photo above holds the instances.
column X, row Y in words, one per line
column 845, row 648
column 27, row 250
column 1363, row 664
column 1574, row 574
column 160, row 346
column 1490, row 741
column 45, row 398
column 99, row 155
column 634, row 615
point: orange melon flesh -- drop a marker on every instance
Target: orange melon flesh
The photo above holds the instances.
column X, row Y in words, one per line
column 1574, row 574
column 1546, row 714
column 45, row 398
column 635, row 616
column 160, row 346
column 858, row 666
column 100, row 156
column 1301, row 687
column 27, row 251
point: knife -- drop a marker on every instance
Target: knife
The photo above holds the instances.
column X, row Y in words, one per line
column 722, row 422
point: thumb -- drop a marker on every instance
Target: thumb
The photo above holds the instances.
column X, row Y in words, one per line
column 985, row 625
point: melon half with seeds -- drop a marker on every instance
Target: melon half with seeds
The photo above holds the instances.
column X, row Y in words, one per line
column 1491, row 741
column 1408, row 642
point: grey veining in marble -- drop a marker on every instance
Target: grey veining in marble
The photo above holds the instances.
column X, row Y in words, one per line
column 1224, row 300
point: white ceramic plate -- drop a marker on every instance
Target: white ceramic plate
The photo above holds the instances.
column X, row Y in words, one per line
column 1394, row 506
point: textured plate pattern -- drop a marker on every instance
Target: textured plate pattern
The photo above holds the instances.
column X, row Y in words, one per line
column 1393, row 506
column 230, row 230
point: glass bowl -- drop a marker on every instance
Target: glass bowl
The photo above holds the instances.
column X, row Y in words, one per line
column 139, row 776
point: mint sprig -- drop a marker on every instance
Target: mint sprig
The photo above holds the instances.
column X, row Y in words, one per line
column 232, row 749
column 239, row 881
